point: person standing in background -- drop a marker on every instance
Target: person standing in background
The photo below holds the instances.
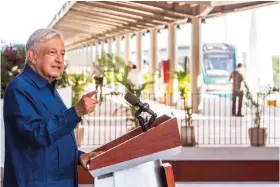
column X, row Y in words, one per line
column 237, row 78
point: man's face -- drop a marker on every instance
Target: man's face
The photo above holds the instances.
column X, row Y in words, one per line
column 49, row 61
column 241, row 68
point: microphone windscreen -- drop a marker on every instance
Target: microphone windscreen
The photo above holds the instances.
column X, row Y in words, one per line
column 132, row 99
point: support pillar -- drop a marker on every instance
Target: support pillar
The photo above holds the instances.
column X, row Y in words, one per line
column 153, row 57
column 102, row 48
column 91, row 60
column 127, row 49
column 196, row 79
column 110, row 46
column 139, row 51
column 85, row 69
column 171, row 60
column 77, row 61
column 84, row 53
column 81, row 54
column 91, row 55
column 96, row 51
column 118, row 46
column 73, row 63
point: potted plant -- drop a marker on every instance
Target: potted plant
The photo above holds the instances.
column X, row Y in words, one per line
column 78, row 83
column 257, row 134
column 187, row 130
column 12, row 61
column 183, row 79
column 121, row 76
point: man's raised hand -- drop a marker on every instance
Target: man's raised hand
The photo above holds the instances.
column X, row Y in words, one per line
column 86, row 104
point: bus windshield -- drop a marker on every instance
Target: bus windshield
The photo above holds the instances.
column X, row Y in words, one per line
column 218, row 66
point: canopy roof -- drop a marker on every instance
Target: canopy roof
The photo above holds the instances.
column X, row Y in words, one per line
column 85, row 22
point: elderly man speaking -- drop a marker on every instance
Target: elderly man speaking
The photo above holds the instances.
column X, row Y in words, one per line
column 41, row 149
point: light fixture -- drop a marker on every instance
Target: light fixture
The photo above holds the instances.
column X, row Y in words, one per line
column 178, row 27
column 166, row 27
column 189, row 20
column 181, row 3
column 133, row 35
column 203, row 21
column 158, row 31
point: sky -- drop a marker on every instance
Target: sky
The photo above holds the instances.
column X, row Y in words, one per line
column 20, row 18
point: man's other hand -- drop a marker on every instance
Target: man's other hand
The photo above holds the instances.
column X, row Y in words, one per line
column 85, row 158
column 86, row 104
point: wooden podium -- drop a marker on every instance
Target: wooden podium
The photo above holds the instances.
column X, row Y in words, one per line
column 134, row 158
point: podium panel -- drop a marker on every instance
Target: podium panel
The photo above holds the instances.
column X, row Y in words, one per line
column 147, row 174
column 134, row 159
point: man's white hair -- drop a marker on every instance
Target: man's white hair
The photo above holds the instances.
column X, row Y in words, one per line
column 38, row 37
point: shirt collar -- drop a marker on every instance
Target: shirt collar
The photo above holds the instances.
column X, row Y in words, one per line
column 36, row 78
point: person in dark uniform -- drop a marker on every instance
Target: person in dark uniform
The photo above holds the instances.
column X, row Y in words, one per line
column 237, row 78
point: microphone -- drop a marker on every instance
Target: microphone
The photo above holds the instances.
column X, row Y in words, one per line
column 133, row 100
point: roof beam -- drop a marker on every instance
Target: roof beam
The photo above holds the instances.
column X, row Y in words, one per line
column 84, row 26
column 93, row 21
column 106, row 20
column 88, row 19
column 104, row 33
column 116, row 15
column 158, row 19
column 153, row 10
column 204, row 11
column 218, row 11
column 223, row 3
column 67, row 33
column 204, row 3
column 67, row 29
column 183, row 9
column 79, row 30
column 84, row 22
column 65, row 8
column 193, row 5
column 98, row 16
column 102, row 36
column 181, row 3
column 90, row 39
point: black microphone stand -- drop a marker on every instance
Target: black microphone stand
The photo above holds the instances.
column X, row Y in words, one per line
column 142, row 121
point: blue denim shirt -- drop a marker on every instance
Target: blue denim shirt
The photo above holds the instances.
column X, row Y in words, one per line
column 40, row 147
